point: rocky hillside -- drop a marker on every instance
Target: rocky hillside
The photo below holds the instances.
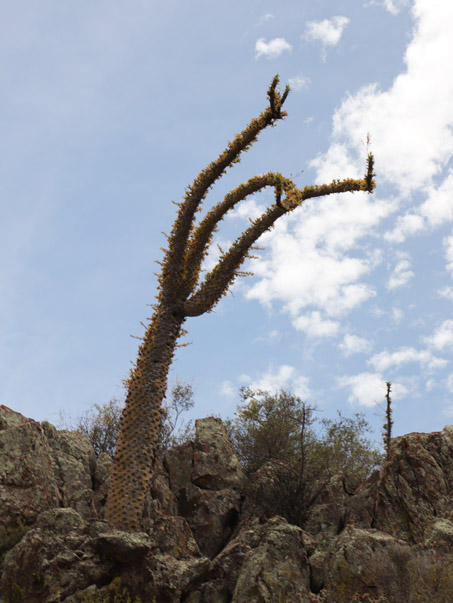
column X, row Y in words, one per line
column 205, row 540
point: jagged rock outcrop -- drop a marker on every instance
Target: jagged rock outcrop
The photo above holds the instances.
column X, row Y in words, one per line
column 206, row 478
column 416, row 485
column 266, row 563
column 205, row 540
column 64, row 558
column 42, row 468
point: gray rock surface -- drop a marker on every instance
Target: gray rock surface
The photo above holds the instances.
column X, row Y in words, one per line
column 204, row 540
column 28, row 484
column 415, row 484
column 205, row 477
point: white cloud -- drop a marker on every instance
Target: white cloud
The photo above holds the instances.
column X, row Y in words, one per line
column 397, row 315
column 393, row 6
column 405, row 225
column 442, row 336
column 446, row 292
column 336, row 162
column 307, row 263
column 435, row 210
column 315, row 326
column 448, row 244
column 367, row 389
column 272, row 49
column 227, row 389
column 352, row 344
column 411, row 122
column 386, row 360
column 271, row 338
column 265, row 18
column 430, row 384
column 249, row 208
column 298, row 82
column 438, row 207
column 328, row 31
column 449, row 383
column 401, row 274
column 281, row 377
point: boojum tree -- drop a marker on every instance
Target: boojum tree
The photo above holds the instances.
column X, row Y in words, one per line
column 185, row 290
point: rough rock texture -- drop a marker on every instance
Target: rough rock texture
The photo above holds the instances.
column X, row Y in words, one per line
column 63, row 556
column 363, row 561
column 73, row 462
column 416, row 484
column 27, row 480
column 205, row 477
column 205, row 541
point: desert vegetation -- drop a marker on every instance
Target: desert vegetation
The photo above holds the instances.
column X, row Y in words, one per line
column 274, row 430
column 186, row 290
column 302, row 451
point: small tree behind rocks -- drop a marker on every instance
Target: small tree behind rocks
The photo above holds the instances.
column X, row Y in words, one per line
column 181, row 401
column 280, row 428
column 101, row 425
column 271, row 426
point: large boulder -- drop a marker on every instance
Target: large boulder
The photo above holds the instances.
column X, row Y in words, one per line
column 51, row 561
column 415, row 484
column 276, row 566
column 373, row 565
column 206, row 479
column 367, row 561
column 267, row 563
column 215, row 466
column 42, row 468
column 28, row 484
column 74, row 466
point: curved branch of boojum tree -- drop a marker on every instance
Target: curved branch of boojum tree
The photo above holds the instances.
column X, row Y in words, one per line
column 220, row 278
column 201, row 237
column 197, row 191
column 218, row 281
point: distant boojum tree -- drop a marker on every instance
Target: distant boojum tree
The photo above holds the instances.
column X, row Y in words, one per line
column 183, row 293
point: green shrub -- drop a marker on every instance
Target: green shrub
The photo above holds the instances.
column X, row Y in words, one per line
column 281, row 427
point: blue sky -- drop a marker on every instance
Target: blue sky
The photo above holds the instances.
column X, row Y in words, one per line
column 110, row 109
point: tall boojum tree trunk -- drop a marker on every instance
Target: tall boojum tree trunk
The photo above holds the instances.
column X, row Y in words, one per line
column 140, row 425
column 181, row 295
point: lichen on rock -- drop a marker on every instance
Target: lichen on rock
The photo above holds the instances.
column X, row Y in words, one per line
column 206, row 540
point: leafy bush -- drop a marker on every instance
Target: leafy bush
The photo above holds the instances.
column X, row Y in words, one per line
column 101, row 425
column 181, row 400
column 281, row 428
